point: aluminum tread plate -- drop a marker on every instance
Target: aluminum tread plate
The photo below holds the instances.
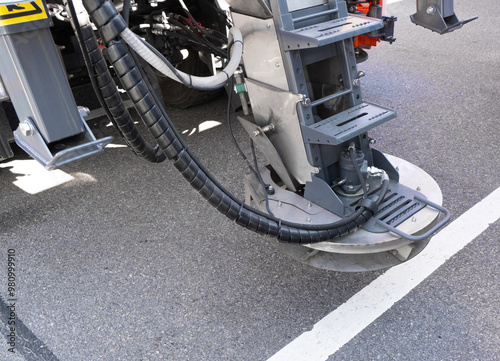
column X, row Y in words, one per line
column 329, row 32
column 347, row 124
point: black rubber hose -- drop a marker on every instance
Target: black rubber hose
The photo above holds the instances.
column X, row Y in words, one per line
column 112, row 101
column 107, row 93
column 165, row 134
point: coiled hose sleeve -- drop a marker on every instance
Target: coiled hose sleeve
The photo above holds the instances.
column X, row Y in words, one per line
column 113, row 101
column 165, row 134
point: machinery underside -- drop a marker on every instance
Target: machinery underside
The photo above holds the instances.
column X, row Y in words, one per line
column 328, row 197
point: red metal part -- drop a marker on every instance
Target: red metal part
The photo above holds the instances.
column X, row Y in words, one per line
column 364, row 41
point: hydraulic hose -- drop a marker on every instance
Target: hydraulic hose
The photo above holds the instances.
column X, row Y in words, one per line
column 106, row 90
column 198, row 82
column 169, row 140
column 113, row 101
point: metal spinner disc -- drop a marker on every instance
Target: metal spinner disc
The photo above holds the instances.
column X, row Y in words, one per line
column 372, row 247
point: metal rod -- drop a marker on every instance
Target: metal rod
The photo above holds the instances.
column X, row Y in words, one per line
column 330, row 97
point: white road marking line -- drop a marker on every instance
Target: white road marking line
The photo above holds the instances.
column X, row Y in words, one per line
column 340, row 326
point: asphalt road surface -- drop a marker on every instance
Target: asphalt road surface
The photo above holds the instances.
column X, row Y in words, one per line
column 119, row 259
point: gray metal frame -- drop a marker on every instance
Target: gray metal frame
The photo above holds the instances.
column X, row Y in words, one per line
column 292, row 56
column 51, row 128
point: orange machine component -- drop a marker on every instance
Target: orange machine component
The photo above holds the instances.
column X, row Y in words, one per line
column 365, row 41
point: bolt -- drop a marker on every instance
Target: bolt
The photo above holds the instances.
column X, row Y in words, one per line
column 270, row 190
column 373, row 141
column 280, row 204
column 397, row 169
column 268, row 26
column 256, row 133
column 309, row 205
column 431, row 10
column 277, row 64
column 357, row 81
column 26, row 128
column 153, row 4
column 84, row 111
column 306, row 101
column 308, row 219
column 268, row 128
column 419, row 189
column 413, row 219
column 350, row 187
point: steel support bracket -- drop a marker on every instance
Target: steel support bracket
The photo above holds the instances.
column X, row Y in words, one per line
column 28, row 137
column 438, row 16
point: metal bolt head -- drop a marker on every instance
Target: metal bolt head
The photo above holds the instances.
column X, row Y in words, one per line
column 26, row 128
column 268, row 26
column 306, row 101
column 84, row 111
column 256, row 133
column 350, row 187
column 431, row 10
column 308, row 219
column 153, row 4
column 277, row 64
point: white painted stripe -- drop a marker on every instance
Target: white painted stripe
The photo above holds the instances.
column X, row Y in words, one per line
column 340, row 326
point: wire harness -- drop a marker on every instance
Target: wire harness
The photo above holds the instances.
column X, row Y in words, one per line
column 171, row 143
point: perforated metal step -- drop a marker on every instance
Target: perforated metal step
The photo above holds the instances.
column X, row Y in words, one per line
column 347, row 124
column 329, row 32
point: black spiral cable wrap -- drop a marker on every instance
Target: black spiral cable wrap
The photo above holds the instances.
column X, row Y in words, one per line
column 113, row 101
column 154, row 117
